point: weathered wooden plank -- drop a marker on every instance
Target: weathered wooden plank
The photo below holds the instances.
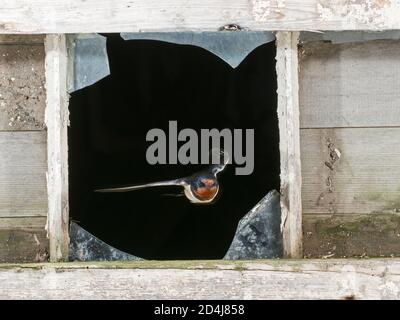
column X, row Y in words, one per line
column 23, row 223
column 23, row 168
column 295, row 279
column 57, row 120
column 351, row 170
column 21, row 39
column 349, row 85
column 23, row 240
column 76, row 16
column 351, row 235
column 348, row 36
column 289, row 143
column 22, row 92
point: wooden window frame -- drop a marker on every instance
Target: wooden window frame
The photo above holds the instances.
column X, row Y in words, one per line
column 56, row 69
column 374, row 278
column 152, row 16
column 265, row 279
column 57, row 121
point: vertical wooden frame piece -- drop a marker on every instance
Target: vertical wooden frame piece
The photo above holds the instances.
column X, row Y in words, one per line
column 289, row 145
column 56, row 118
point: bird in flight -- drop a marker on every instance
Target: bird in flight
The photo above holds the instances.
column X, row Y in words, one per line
column 201, row 187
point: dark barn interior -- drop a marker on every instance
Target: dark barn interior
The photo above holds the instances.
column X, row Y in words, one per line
column 151, row 83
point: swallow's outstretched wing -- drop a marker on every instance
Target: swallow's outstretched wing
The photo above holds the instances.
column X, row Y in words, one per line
column 219, row 161
column 176, row 182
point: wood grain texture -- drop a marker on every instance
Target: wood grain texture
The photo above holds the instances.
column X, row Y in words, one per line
column 22, row 87
column 349, row 85
column 351, row 235
column 351, row 170
column 21, row 39
column 295, row 279
column 57, row 120
column 23, row 223
column 76, row 16
column 289, row 142
column 23, row 240
column 23, row 165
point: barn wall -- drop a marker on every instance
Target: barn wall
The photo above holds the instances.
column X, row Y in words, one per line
column 350, row 128
column 23, row 152
column 350, row 132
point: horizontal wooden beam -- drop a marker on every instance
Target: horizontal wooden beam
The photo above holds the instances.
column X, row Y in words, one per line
column 21, row 39
column 23, row 166
column 350, row 170
column 339, row 89
column 76, row 16
column 351, row 235
column 23, row 239
column 22, row 84
column 273, row 279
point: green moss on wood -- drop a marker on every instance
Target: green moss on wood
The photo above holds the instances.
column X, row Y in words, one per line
column 237, row 265
column 339, row 236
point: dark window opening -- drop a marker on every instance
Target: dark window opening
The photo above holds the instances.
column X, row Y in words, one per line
column 150, row 84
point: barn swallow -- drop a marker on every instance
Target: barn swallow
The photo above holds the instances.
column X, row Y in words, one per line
column 201, row 187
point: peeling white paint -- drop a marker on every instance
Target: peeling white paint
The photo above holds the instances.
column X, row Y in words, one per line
column 373, row 14
column 56, row 119
column 350, row 285
column 390, row 14
column 280, row 7
column 313, row 279
column 289, row 145
column 261, row 10
column 326, row 14
column 390, row 289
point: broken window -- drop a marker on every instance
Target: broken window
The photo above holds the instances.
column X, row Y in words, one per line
column 200, row 81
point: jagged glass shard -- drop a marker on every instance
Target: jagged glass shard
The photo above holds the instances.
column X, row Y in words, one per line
column 84, row 246
column 258, row 235
column 90, row 60
column 230, row 46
